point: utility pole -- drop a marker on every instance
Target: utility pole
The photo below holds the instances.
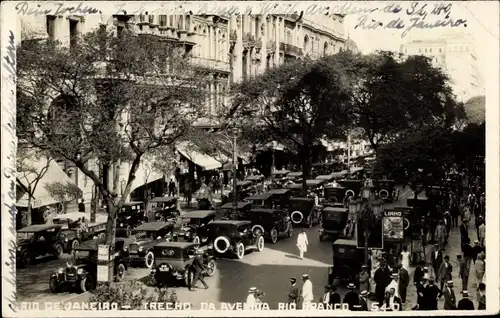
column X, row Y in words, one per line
column 348, row 152
column 235, row 161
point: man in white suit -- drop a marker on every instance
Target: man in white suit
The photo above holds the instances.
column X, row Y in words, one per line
column 307, row 292
column 251, row 301
column 302, row 243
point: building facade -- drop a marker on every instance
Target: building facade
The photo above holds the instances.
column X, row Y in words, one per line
column 233, row 48
column 457, row 56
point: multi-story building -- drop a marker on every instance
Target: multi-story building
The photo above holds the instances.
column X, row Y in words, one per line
column 234, row 48
column 456, row 54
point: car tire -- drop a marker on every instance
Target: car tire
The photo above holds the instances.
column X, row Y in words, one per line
column 87, row 283
column 211, row 268
column 240, row 249
column 274, row 235
column 54, row 285
column 216, row 245
column 188, row 277
column 58, row 251
column 260, row 244
column 74, row 245
column 128, row 231
column 26, row 259
column 120, row 272
column 162, row 219
column 300, row 214
column 149, row 259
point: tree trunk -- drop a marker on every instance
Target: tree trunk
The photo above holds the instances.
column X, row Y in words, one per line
column 306, row 167
column 28, row 213
column 111, row 222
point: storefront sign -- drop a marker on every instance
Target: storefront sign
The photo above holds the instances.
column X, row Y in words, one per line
column 393, row 226
column 103, row 263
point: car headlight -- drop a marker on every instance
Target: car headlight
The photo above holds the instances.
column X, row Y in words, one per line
column 79, row 271
column 65, row 239
column 60, row 271
column 121, row 224
column 187, row 234
column 125, row 248
column 141, row 248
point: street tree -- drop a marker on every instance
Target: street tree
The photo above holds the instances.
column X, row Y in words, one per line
column 108, row 98
column 296, row 104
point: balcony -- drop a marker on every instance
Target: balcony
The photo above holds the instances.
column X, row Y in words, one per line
column 290, row 49
column 216, row 65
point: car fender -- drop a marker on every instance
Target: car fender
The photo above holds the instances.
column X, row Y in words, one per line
column 54, row 275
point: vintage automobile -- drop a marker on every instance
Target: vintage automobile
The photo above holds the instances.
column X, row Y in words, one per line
column 386, row 189
column 357, row 173
column 131, row 215
column 38, row 240
column 173, row 262
column 280, row 174
column 334, row 195
column 255, row 178
column 75, row 231
column 303, row 211
column 146, row 236
column 334, row 219
column 228, row 212
column 231, row 237
column 195, row 225
column 81, row 272
column 164, row 208
column 263, row 200
column 326, row 177
column 295, row 176
column 272, row 223
column 279, row 198
column 353, row 186
column 347, row 261
column 244, row 189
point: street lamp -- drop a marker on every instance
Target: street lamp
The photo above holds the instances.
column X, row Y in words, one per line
column 235, row 160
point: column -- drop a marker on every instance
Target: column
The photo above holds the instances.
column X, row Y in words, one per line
column 207, row 98
column 212, row 97
column 216, row 44
column 238, row 48
column 263, row 50
column 277, row 43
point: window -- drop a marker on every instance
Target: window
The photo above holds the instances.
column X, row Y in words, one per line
column 406, row 50
column 51, row 20
column 163, row 20
column 119, row 31
column 430, row 50
column 151, row 19
column 425, row 50
column 73, row 32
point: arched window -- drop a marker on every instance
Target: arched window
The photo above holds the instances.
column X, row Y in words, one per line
column 288, row 37
column 306, row 43
column 325, row 48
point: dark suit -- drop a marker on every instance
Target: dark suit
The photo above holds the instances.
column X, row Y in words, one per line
column 464, row 234
column 293, row 295
column 335, row 298
column 382, row 278
column 363, row 303
column 418, row 274
column 431, row 294
column 198, row 268
column 450, row 301
column 444, row 273
column 396, row 300
column 351, row 298
column 465, row 304
column 404, row 281
column 436, row 261
column 421, row 297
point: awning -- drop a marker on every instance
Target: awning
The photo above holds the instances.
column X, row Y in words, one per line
column 145, row 174
column 193, row 153
column 41, row 196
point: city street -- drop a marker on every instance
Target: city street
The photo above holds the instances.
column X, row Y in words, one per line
column 268, row 270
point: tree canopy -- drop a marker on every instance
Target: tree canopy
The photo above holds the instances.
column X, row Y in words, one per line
column 107, row 98
column 475, row 109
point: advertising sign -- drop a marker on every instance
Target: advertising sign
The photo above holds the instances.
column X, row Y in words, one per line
column 103, row 263
column 393, row 226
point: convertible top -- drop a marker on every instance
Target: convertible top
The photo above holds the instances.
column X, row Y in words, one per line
column 244, row 183
column 163, row 199
column 262, row 210
column 153, row 226
column 255, row 178
column 229, row 205
column 199, row 214
column 278, row 191
column 39, row 228
column 261, row 196
column 335, row 209
column 295, row 174
column 234, row 222
column 345, row 242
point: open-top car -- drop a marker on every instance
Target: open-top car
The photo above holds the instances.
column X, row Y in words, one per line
column 195, row 226
column 303, row 211
column 357, row 173
column 164, row 208
column 347, row 261
column 386, row 189
column 313, row 185
column 76, row 229
column 326, row 177
column 234, row 237
column 147, row 235
column 229, row 212
column 272, row 223
column 130, row 216
column 81, row 272
column 173, row 261
column 333, row 221
column 38, row 240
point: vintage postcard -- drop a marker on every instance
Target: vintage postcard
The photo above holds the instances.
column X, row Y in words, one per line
column 249, row 158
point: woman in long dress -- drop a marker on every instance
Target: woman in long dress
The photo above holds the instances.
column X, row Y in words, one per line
column 405, row 258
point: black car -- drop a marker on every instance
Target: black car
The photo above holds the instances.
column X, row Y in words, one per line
column 195, row 227
column 313, row 186
column 234, row 238
column 279, row 198
column 333, row 222
column 271, row 223
column 386, row 189
column 353, row 186
column 38, row 240
column 263, row 200
column 164, row 208
column 295, row 176
column 244, row 189
column 303, row 211
column 347, row 261
column 334, row 194
column 81, row 272
column 131, row 215
column 146, row 236
column 228, row 211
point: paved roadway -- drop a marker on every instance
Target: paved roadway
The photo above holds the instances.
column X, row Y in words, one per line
column 268, row 270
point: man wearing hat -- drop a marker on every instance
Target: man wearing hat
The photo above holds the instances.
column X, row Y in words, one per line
column 464, row 232
column 481, row 296
column 307, row 291
column 363, row 300
column 421, row 293
column 436, row 258
column 450, row 301
column 404, row 281
column 334, row 296
column 476, row 250
column 444, row 273
column 325, row 299
column 394, row 283
column 465, row 303
column 251, row 301
column 431, row 295
column 418, row 274
column 351, row 297
column 382, row 278
column 364, row 278
column 293, row 295
column 464, row 267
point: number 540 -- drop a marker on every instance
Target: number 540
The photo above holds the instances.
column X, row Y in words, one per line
column 384, row 307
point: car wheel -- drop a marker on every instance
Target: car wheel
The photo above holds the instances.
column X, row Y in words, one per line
column 74, row 245
column 188, row 277
column 58, row 251
column 196, row 239
column 87, row 283
column 128, row 231
column 120, row 272
column 102, row 236
column 54, row 285
column 26, row 259
column 149, row 259
column 240, row 249
column 260, row 243
column 211, row 267
column 274, row 235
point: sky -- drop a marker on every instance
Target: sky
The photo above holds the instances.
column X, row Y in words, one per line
column 482, row 22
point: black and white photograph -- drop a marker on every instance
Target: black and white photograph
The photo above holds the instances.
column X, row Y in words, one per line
column 249, row 158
